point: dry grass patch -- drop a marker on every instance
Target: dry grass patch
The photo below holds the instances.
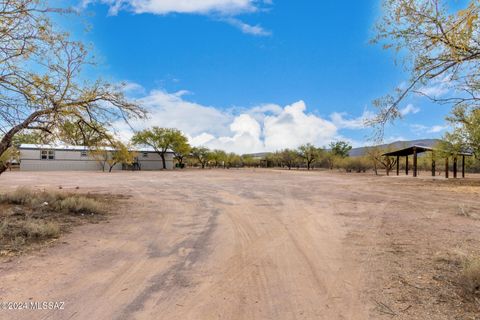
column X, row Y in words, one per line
column 470, row 277
column 30, row 218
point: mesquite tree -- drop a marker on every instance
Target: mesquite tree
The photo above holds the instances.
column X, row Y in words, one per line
column 40, row 71
column 162, row 140
column 441, row 50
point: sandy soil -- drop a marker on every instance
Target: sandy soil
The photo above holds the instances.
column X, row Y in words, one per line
column 254, row 244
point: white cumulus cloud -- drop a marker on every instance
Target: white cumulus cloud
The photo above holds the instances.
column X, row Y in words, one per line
column 260, row 128
column 294, row 126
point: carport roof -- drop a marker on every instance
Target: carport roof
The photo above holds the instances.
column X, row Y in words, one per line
column 419, row 149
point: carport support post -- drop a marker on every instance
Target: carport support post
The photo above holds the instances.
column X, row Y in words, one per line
column 455, row 167
column 414, row 162
column 463, row 166
column 433, row 164
column 398, row 165
column 406, row 165
column 446, row 167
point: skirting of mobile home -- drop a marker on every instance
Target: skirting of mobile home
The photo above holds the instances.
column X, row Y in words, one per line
column 79, row 158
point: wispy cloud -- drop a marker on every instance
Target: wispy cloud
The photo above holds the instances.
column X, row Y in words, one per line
column 422, row 129
column 437, row 89
column 255, row 30
column 341, row 121
column 227, row 10
column 437, row 129
column 409, row 109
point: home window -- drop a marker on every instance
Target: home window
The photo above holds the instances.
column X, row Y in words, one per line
column 145, row 154
column 47, row 154
column 83, row 153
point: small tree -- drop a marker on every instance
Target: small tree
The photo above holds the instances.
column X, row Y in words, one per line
column 160, row 139
column 388, row 163
column 372, row 154
column 218, row 158
column 249, row 161
column 181, row 149
column 120, row 154
column 201, row 154
column 466, row 133
column 233, row 160
column 309, row 153
column 101, row 154
column 338, row 150
column 110, row 155
column 289, row 158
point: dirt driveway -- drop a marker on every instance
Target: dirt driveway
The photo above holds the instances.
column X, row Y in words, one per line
column 245, row 244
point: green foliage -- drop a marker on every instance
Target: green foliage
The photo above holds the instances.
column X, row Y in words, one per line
column 310, row 154
column 160, row 139
column 233, row 160
column 289, row 158
column 82, row 133
column 180, row 147
column 218, row 158
column 29, row 137
column 340, row 148
column 250, row 161
column 201, row 154
column 466, row 133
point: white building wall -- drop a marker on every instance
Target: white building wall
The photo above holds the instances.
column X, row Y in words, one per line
column 72, row 160
column 153, row 161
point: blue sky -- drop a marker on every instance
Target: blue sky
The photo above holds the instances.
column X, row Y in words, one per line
column 250, row 76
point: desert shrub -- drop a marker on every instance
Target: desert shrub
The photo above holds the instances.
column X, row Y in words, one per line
column 25, row 196
column 354, row 164
column 470, row 277
column 18, row 231
column 80, row 204
column 20, row 196
column 53, row 200
column 38, row 229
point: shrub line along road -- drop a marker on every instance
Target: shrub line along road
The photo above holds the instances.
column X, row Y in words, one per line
column 212, row 244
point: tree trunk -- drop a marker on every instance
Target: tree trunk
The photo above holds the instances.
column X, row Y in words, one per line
column 6, row 141
column 164, row 163
column 111, row 166
column 3, row 168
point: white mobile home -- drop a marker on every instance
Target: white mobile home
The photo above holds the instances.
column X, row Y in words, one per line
column 35, row 157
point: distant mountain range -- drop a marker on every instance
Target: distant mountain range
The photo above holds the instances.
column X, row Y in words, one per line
column 356, row 152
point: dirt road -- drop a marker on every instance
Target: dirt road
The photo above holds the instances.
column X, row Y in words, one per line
column 213, row 244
